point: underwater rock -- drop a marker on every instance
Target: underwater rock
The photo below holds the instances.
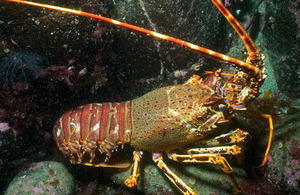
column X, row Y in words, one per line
column 46, row 177
column 281, row 43
column 195, row 21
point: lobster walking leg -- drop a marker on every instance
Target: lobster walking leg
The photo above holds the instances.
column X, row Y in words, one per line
column 233, row 150
column 158, row 159
column 228, row 138
column 209, row 158
column 269, row 117
column 132, row 180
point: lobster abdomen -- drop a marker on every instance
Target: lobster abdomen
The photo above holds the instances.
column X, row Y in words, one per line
column 89, row 133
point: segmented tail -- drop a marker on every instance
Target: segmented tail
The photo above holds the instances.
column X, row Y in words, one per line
column 93, row 129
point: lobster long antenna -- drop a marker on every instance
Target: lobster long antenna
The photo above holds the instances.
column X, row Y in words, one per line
column 250, row 46
column 206, row 52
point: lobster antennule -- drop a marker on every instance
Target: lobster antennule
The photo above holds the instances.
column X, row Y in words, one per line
column 206, row 52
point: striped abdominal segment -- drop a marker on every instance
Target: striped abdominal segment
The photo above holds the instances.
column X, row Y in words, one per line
column 85, row 131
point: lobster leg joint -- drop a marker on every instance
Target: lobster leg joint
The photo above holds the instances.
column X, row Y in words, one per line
column 132, row 180
column 209, row 158
column 158, row 159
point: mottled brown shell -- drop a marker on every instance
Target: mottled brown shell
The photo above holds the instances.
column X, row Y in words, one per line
column 173, row 116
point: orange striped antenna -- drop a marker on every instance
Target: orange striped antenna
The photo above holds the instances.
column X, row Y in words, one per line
column 206, row 52
column 250, row 46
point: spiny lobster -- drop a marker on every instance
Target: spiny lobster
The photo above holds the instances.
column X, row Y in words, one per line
column 167, row 118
